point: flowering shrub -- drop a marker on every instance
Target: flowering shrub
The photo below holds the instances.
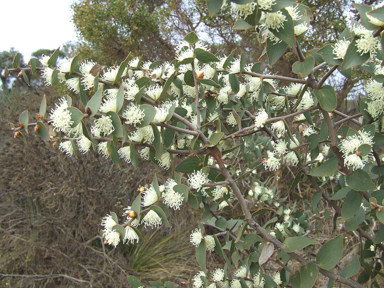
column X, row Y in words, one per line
column 230, row 119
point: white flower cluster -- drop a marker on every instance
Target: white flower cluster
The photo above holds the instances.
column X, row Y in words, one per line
column 375, row 92
column 197, row 236
column 350, row 149
column 61, row 116
column 260, row 118
column 197, row 180
column 170, row 197
column 272, row 163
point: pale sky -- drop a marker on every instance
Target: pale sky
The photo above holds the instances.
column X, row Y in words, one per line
column 29, row 25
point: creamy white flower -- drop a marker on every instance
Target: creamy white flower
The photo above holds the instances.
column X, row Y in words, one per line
column 125, row 153
column 277, row 102
column 61, row 117
column 231, row 120
column 109, row 104
column 291, row 159
column 354, row 162
column 242, row 90
column 67, row 148
column 258, row 280
column 279, row 128
column 197, row 180
column 196, row 280
column 112, row 237
column 266, row 4
column 375, row 90
column 165, row 160
column 309, row 130
column 154, row 92
column 293, row 89
column 189, row 91
column 243, row 9
column 375, row 108
column 149, row 196
column 223, row 96
column 134, row 63
column 277, row 279
column 144, row 153
column 84, row 144
column 161, row 114
column 44, row 60
column 235, row 66
column 260, row 118
column 196, row 237
column 280, row 147
column 374, row 20
column 73, row 84
column 301, row 28
column 235, row 283
column 130, row 89
column 273, row 21
column 219, row 192
column 47, row 75
column 208, row 71
column 103, row 149
column 294, row 12
column 306, row 102
column 180, row 143
column 108, row 223
column 340, row 49
column 367, row 44
column 218, row 275
column 254, row 83
column 102, row 125
column 133, row 115
column 88, row 79
column 130, row 235
column 271, row 163
column 64, row 67
column 110, row 74
column 143, row 134
column 111, row 93
column 172, row 198
column 223, row 204
column 241, row 272
column 210, row 243
column 152, row 219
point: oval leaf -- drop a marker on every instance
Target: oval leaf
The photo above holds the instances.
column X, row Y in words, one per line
column 94, row 103
column 304, row 68
column 298, row 242
column 205, row 56
column 326, row 97
column 330, row 254
column 360, row 180
column 189, row 165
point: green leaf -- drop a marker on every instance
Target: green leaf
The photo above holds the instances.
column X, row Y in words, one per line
column 120, row 229
column 352, row 268
column 351, row 205
column 330, row 254
column 133, row 156
column 228, row 61
column 75, row 63
column 188, row 78
column 142, row 82
column 34, row 62
column 324, row 131
column 162, row 215
column 377, row 13
column 191, row 38
column 192, row 200
column 352, row 57
column 122, row 67
column 112, row 150
column 42, row 131
column 308, row 275
column 326, row 97
column 364, row 149
column 235, row 83
column 25, row 77
column 275, row 51
column 157, row 142
column 286, row 33
column 380, row 215
column 76, row 116
column 43, row 106
column 298, row 242
column 327, row 54
column 241, row 24
column 52, row 60
column 16, row 60
column 214, row 6
column 167, row 84
column 136, row 205
column 120, row 98
column 205, row 56
column 94, row 103
column 134, row 282
column 360, row 180
column 313, row 141
column 304, row 68
column 183, row 190
column 201, row 256
column 24, row 119
column 379, row 235
column 189, row 165
column 54, row 78
column 363, row 9
column 341, row 193
column 149, row 112
column 215, row 138
column 208, row 82
column 116, row 122
column 326, row 169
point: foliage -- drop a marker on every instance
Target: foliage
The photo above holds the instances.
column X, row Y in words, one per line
column 237, row 129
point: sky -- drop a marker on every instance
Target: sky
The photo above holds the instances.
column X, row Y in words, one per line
column 30, row 25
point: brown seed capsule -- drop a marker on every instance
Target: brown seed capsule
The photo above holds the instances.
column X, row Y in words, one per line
column 202, row 233
column 36, row 128
column 41, row 117
column 17, row 133
column 132, row 214
column 374, row 205
column 89, row 111
column 21, row 125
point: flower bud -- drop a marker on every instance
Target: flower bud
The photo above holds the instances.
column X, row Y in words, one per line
column 21, row 125
column 36, row 128
column 17, row 133
column 20, row 74
column 132, row 214
column 41, row 117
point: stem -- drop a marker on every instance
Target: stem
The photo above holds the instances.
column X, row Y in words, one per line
column 196, row 96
